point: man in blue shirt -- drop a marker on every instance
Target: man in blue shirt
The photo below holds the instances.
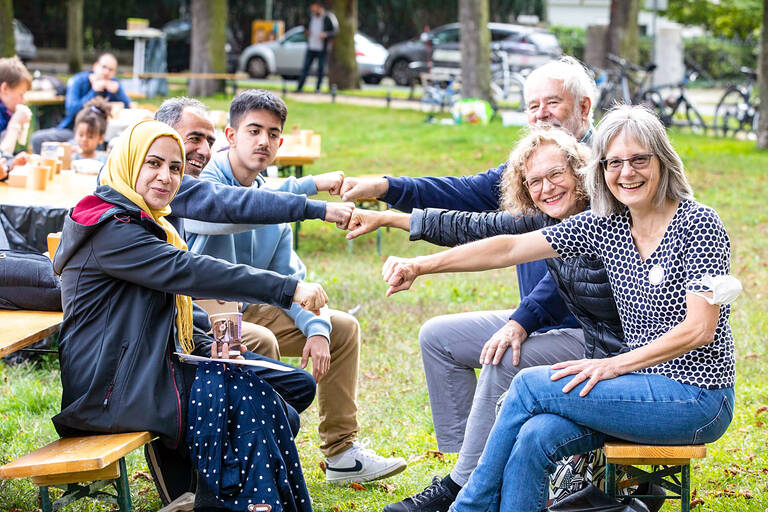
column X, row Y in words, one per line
column 83, row 86
column 539, row 331
column 331, row 339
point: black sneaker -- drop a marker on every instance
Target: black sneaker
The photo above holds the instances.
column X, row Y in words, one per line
column 436, row 497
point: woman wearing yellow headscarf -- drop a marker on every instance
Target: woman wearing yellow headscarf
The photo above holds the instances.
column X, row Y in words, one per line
column 126, row 282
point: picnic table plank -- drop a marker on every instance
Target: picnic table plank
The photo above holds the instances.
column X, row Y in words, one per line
column 19, row 329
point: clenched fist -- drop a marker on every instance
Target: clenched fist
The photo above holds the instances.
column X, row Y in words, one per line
column 310, row 296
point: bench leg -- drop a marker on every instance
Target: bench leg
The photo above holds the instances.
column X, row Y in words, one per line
column 610, row 479
column 123, row 490
column 45, row 499
column 685, row 490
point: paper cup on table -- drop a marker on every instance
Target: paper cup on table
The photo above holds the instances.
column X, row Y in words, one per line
column 37, row 178
column 227, row 328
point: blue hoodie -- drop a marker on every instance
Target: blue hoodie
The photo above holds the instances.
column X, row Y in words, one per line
column 267, row 246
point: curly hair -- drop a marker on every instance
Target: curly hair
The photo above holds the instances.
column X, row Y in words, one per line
column 514, row 193
column 94, row 114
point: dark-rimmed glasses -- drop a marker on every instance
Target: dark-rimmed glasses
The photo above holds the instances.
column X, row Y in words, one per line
column 555, row 176
column 635, row 161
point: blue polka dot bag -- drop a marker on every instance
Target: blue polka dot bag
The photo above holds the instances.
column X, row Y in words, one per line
column 241, row 441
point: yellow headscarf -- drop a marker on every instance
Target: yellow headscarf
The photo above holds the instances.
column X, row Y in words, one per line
column 121, row 172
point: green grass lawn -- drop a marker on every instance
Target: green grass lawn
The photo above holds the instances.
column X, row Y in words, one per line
column 394, row 409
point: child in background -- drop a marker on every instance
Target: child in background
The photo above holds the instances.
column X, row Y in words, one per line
column 15, row 80
column 90, row 127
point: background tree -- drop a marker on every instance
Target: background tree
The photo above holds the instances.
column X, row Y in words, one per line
column 75, row 35
column 762, row 124
column 622, row 34
column 209, row 37
column 7, row 41
column 475, row 49
column 342, row 68
column 734, row 18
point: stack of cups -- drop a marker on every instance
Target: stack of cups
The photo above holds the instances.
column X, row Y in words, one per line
column 49, row 154
column 227, row 328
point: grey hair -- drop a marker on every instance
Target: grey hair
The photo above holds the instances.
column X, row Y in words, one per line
column 577, row 80
column 642, row 125
column 171, row 109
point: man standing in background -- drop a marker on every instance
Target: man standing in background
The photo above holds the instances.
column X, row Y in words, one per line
column 320, row 29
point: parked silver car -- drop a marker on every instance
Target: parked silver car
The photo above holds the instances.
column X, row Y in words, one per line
column 286, row 57
column 25, row 41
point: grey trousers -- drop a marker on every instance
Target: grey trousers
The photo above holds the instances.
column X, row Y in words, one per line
column 463, row 406
column 49, row 135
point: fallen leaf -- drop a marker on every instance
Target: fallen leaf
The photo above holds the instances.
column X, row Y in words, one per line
column 145, row 491
column 336, row 509
column 752, row 355
column 759, row 423
column 746, row 493
column 141, row 474
column 356, row 486
column 389, row 487
column 322, row 466
column 696, row 502
column 761, row 409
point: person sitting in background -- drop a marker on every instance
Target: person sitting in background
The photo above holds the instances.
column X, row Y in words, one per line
column 332, row 339
column 90, row 127
column 126, row 280
column 663, row 253
column 81, row 88
column 15, row 80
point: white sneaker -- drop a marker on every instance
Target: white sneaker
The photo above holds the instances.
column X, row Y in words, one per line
column 360, row 464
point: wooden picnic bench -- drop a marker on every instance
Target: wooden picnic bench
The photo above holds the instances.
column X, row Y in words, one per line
column 230, row 79
column 98, row 461
column 667, row 463
column 22, row 328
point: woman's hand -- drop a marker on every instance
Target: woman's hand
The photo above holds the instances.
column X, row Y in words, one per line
column 593, row 369
column 310, row 296
column 399, row 273
column 512, row 335
column 221, row 351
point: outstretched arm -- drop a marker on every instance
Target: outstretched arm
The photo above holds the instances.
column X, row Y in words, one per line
column 497, row 252
column 364, row 221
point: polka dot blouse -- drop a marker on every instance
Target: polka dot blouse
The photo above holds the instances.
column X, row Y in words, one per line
column 651, row 294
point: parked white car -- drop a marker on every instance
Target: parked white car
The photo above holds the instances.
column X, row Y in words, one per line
column 286, row 57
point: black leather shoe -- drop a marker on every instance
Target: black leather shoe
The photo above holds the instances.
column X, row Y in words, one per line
column 436, row 497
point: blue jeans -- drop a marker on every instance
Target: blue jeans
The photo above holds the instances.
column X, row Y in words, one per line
column 539, row 424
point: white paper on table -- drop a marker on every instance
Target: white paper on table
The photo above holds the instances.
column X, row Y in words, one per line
column 243, row 362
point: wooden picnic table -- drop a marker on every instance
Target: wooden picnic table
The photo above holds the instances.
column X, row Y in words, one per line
column 64, row 191
column 22, row 328
column 296, row 153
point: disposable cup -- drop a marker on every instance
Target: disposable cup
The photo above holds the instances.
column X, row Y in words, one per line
column 37, row 178
column 227, row 328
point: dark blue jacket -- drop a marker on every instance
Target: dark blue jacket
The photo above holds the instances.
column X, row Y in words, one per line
column 79, row 92
column 541, row 307
column 5, row 116
column 118, row 280
column 582, row 281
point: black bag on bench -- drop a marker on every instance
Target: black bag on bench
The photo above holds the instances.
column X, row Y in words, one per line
column 27, row 281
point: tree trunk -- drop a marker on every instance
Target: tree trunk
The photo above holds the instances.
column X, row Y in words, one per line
column 7, row 41
column 209, row 37
column 75, row 35
column 622, row 35
column 342, row 68
column 475, row 49
column 762, row 124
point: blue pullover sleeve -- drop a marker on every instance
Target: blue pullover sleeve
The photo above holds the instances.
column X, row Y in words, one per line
column 470, row 193
column 304, row 185
column 120, row 95
column 543, row 308
column 79, row 92
column 214, row 202
column 286, row 262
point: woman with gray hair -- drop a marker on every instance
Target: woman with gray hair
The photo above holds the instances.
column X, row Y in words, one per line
column 662, row 251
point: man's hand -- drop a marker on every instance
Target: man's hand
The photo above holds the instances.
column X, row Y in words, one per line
column 512, row 335
column 111, row 86
column 317, row 348
column 3, row 169
column 310, row 296
column 97, row 84
column 330, row 181
column 593, row 369
column 363, row 188
column 363, row 221
column 399, row 273
column 339, row 213
column 20, row 159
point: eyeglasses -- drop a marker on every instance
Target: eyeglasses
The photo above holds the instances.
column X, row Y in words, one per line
column 555, row 176
column 635, row 161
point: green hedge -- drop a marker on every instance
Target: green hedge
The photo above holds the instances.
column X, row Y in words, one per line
column 718, row 58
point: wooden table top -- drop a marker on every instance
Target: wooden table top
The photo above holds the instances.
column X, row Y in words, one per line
column 294, row 151
column 64, row 191
column 19, row 329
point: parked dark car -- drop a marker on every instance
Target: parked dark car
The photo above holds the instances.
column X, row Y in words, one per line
column 177, row 37
column 525, row 47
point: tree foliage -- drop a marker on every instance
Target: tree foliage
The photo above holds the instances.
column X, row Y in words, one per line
column 731, row 18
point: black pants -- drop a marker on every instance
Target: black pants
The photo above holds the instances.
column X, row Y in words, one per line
column 171, row 467
column 308, row 58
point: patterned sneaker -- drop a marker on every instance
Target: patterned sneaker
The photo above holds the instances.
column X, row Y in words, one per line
column 360, row 464
column 436, row 497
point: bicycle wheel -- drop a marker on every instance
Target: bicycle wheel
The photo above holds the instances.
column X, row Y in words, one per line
column 731, row 113
column 695, row 121
column 609, row 98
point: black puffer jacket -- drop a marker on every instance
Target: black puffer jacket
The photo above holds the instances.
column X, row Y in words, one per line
column 582, row 282
column 118, row 280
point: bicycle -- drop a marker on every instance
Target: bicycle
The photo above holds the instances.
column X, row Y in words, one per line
column 507, row 81
column 670, row 108
column 616, row 85
column 737, row 112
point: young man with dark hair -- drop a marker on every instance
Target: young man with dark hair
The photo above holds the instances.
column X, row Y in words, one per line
column 332, row 338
